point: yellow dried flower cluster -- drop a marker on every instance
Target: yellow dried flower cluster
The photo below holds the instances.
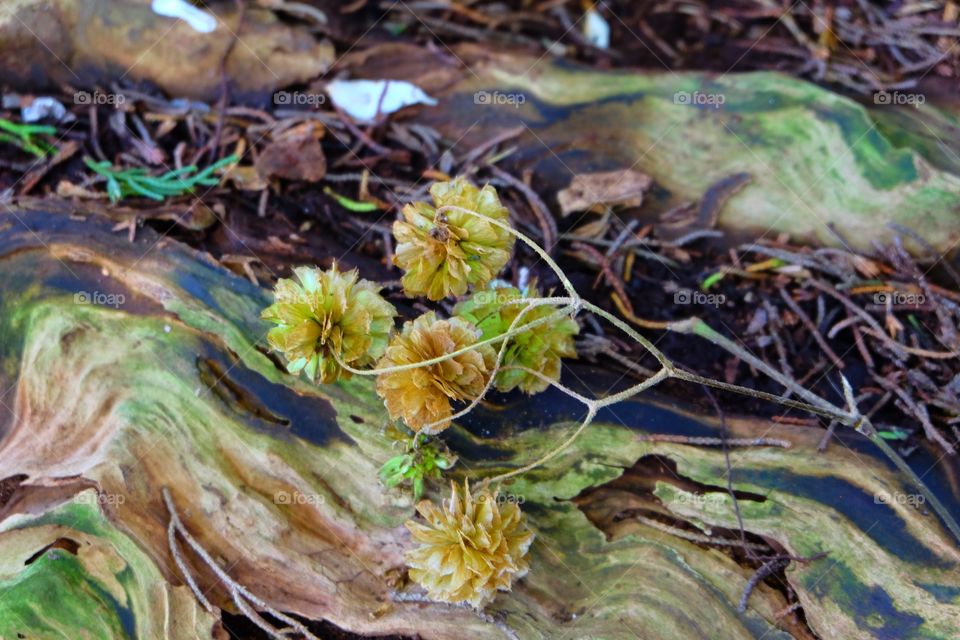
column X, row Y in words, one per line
column 469, row 548
column 422, row 395
column 325, row 315
column 443, row 254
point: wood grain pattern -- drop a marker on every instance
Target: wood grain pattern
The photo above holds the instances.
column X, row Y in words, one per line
column 171, row 388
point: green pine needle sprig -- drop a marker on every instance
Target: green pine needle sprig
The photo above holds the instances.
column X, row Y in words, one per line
column 27, row 137
column 122, row 183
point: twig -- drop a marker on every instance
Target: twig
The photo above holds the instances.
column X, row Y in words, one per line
column 706, row 441
column 478, row 151
column 548, row 226
column 822, row 445
column 726, row 460
column 767, row 569
column 808, row 323
column 695, row 537
column 919, row 411
column 240, row 595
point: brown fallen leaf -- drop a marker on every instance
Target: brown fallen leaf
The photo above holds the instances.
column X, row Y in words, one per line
column 245, row 178
column 623, row 187
column 294, row 155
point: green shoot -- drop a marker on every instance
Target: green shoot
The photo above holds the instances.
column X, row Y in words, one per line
column 420, row 461
column 893, row 434
column 711, row 280
column 350, row 204
column 122, row 183
column 25, row 136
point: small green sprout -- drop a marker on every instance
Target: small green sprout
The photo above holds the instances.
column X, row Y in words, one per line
column 893, row 434
column 711, row 280
column 137, row 182
column 349, row 203
column 26, row 137
column 422, row 459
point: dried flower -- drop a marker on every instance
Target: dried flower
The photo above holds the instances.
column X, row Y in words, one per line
column 421, row 396
column 328, row 315
column 539, row 349
column 469, row 548
column 445, row 254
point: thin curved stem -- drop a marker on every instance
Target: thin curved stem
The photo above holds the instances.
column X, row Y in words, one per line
column 630, row 331
column 593, row 405
column 813, row 403
column 562, row 387
column 698, row 327
column 640, row 387
column 833, row 413
column 945, row 515
column 591, row 414
column 560, row 313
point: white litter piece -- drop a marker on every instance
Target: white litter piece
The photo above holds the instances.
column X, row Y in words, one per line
column 43, row 107
column 199, row 19
column 361, row 98
column 596, row 31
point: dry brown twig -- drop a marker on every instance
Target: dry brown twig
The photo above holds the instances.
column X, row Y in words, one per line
column 246, row 602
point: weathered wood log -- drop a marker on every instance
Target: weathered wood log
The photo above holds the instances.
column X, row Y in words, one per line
column 85, row 43
column 823, row 168
column 133, row 367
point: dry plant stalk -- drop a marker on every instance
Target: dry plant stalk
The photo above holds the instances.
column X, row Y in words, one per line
column 573, row 303
column 447, row 362
column 246, row 602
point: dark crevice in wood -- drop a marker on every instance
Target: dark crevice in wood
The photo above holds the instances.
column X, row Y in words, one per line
column 67, row 544
column 239, row 627
column 618, row 506
column 9, row 486
column 215, row 377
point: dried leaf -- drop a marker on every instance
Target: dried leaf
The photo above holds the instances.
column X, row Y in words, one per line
column 622, row 187
column 295, row 155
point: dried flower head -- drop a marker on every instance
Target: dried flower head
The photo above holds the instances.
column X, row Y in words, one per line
column 444, row 254
column 469, row 547
column 539, row 349
column 325, row 316
column 421, row 396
